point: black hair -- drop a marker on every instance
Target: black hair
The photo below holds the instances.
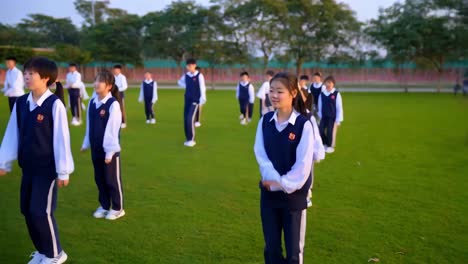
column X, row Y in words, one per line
column 191, row 61
column 198, row 68
column 304, row 77
column 244, row 73
column 290, row 81
column 13, row 58
column 108, row 78
column 117, row 66
column 330, row 79
column 72, row 65
column 270, row 73
column 319, row 74
column 44, row 67
column 59, row 91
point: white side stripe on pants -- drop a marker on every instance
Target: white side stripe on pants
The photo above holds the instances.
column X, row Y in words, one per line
column 302, row 236
column 193, row 120
column 49, row 219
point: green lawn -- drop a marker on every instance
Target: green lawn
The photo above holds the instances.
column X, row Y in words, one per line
column 395, row 189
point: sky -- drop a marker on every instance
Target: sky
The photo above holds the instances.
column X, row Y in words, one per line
column 11, row 12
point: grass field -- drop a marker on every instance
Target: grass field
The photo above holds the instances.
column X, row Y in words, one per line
column 395, row 189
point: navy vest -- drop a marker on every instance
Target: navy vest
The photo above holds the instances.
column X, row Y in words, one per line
column 148, row 90
column 281, row 148
column 316, row 92
column 329, row 105
column 97, row 126
column 192, row 88
column 244, row 92
column 35, row 137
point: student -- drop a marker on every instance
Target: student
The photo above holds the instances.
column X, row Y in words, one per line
column 465, row 84
column 303, row 83
column 121, row 82
column 195, row 94
column 103, row 123
column 315, row 89
column 14, row 82
column 198, row 115
column 37, row 135
column 149, row 95
column 74, row 85
column 262, row 94
column 245, row 94
column 330, row 112
column 284, row 149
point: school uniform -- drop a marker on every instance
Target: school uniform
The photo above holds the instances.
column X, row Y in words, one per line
column 149, row 95
column 245, row 95
column 103, row 137
column 318, row 152
column 284, row 153
column 195, row 95
column 13, row 86
column 315, row 89
column 264, row 96
column 330, row 112
column 75, row 86
column 121, row 83
column 37, row 135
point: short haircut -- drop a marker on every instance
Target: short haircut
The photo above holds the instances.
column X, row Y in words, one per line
column 191, row 61
column 13, row 58
column 72, row 65
column 319, row 74
column 44, row 67
column 244, row 73
column 304, row 77
column 270, row 73
column 198, row 68
column 330, row 79
column 117, row 66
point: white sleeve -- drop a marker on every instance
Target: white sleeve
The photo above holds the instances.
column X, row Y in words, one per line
column 294, row 179
column 83, row 92
column 237, row 91
column 319, row 149
column 9, row 147
column 86, row 144
column 155, row 92
column 261, row 92
column 251, row 94
column 18, row 85
column 181, row 81
column 124, row 83
column 267, row 170
column 140, row 98
column 111, row 142
column 68, row 81
column 339, row 109
column 201, row 81
column 319, row 107
column 62, row 150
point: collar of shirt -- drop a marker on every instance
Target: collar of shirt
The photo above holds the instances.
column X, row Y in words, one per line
column 317, row 85
column 103, row 101
column 327, row 93
column 14, row 69
column 291, row 120
column 32, row 104
column 192, row 74
column 148, row 81
column 244, row 83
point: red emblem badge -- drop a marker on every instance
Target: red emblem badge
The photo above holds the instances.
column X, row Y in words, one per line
column 194, row 79
column 333, row 97
column 102, row 113
column 292, row 136
column 40, row 118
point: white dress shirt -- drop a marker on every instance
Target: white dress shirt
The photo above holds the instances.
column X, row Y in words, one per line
column 201, row 81
column 61, row 138
column 121, row 82
column 14, row 83
column 111, row 142
column 319, row 149
column 155, row 91
column 251, row 91
column 73, row 80
column 339, row 106
column 263, row 90
column 294, row 179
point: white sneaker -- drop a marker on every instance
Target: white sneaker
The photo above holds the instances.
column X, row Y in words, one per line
column 123, row 125
column 100, row 212
column 329, row 150
column 243, row 122
column 113, row 214
column 309, row 199
column 241, row 117
column 36, row 258
column 190, row 143
column 197, row 124
column 153, row 121
column 61, row 258
column 249, row 120
column 147, row 121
